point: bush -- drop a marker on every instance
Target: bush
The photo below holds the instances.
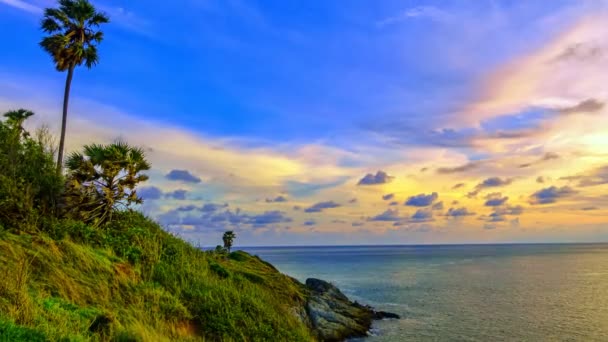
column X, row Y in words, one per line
column 30, row 186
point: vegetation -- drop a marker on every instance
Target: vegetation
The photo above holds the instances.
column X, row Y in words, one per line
column 103, row 179
column 72, row 41
column 228, row 239
column 70, row 273
column 78, row 264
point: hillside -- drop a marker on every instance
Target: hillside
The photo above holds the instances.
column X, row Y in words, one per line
column 132, row 281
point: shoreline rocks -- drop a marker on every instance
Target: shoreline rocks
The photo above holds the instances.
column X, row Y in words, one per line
column 334, row 317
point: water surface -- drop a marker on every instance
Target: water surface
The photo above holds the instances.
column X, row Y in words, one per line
column 467, row 292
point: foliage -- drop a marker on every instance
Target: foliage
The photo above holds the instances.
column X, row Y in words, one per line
column 103, row 179
column 29, row 186
column 171, row 292
column 73, row 38
column 228, row 239
column 72, row 41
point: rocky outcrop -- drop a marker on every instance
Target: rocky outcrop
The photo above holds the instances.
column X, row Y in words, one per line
column 334, row 317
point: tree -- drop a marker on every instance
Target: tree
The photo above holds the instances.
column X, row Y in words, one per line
column 228, row 238
column 72, row 41
column 103, row 179
column 29, row 185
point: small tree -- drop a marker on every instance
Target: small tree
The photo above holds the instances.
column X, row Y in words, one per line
column 103, row 179
column 228, row 238
column 29, row 185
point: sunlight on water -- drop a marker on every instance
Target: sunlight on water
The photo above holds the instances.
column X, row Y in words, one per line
column 467, row 293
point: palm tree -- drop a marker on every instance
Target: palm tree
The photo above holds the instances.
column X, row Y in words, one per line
column 228, row 238
column 103, row 179
column 72, row 41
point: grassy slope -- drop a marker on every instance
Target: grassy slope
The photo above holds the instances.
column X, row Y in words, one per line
column 135, row 282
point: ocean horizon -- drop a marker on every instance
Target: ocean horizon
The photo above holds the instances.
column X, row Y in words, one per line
column 466, row 292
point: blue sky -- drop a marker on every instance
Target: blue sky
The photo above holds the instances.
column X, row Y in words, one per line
column 326, row 92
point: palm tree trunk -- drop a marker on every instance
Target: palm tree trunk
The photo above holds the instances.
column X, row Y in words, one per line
column 64, row 119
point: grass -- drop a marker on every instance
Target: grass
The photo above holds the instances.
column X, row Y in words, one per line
column 132, row 281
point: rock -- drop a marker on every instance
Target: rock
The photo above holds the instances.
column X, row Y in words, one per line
column 385, row 315
column 334, row 317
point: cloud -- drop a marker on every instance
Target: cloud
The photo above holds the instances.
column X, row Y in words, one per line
column 597, row 176
column 491, row 182
column 551, row 194
column 353, row 200
column 458, row 186
column 589, row 208
column 422, row 200
column 182, row 175
column 357, row 224
column 150, row 193
column 429, row 12
column 211, row 207
column 186, row 208
column 495, row 200
column 540, row 179
column 457, row 169
column 268, row 218
column 437, row 206
column 546, row 157
column 388, row 197
column 459, row 212
column 381, row 177
column 310, row 223
column 586, row 106
column 394, row 203
column 278, row 199
column 22, row 5
column 422, row 215
column 179, row 194
column 390, row 215
column 319, row 207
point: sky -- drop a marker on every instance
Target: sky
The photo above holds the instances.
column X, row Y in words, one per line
column 343, row 122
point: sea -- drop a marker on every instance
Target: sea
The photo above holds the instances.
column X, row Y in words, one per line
column 510, row 292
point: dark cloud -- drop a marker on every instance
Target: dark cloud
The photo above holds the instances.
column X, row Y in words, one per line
column 580, row 51
column 186, row 208
column 546, row 157
column 492, row 182
column 589, row 208
column 150, row 193
column 422, row 200
column 551, row 194
column 424, row 169
column 458, row 186
column 353, row 200
column 177, row 194
column 495, row 200
column 210, row 207
column 278, row 199
column 381, row 177
column 587, row 106
column 438, row 206
column 457, row 169
column 540, row 179
column 357, row 224
column 297, row 207
column 389, row 215
column 598, row 176
column 268, row 218
column 388, row 197
column 394, row 203
column 422, row 215
column 310, row 223
column 182, row 175
column 318, row 207
column 459, row 212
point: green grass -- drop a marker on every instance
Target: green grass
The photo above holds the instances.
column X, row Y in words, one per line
column 132, row 281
